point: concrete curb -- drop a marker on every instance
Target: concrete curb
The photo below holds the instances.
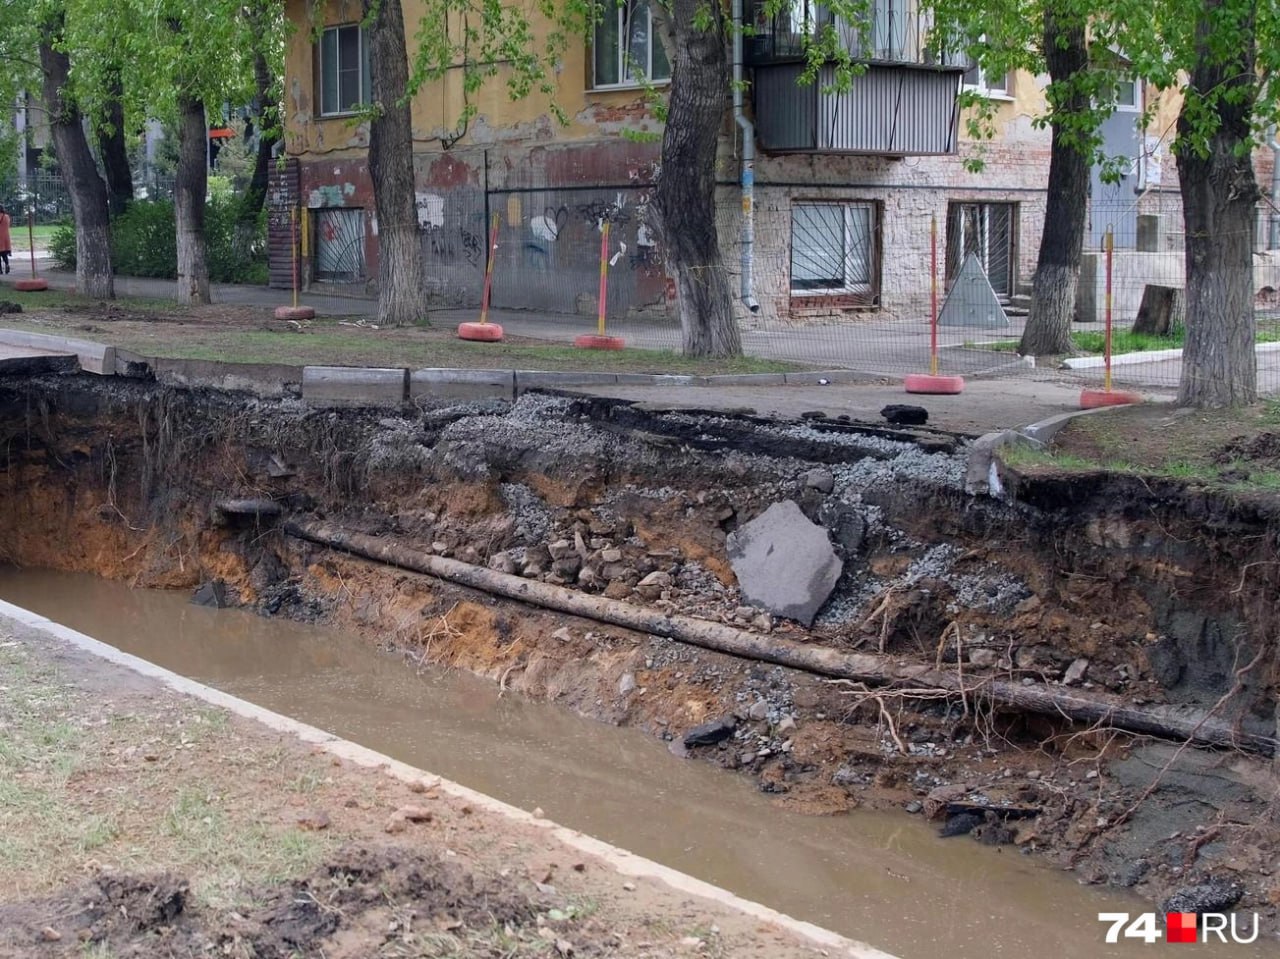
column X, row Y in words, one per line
column 93, row 357
column 354, row 386
column 982, row 474
column 451, row 384
column 626, row 863
column 1148, row 356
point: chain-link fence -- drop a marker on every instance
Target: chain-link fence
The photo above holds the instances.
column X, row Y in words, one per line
column 838, row 282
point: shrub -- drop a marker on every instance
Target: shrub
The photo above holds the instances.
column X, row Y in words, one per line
column 62, row 245
column 144, row 242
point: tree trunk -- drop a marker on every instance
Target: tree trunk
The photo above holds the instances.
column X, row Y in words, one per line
column 1219, row 197
column 402, row 296
column 79, row 172
column 1177, row 722
column 268, row 127
column 190, row 185
column 111, row 146
column 1163, row 311
column 684, row 202
column 1053, row 291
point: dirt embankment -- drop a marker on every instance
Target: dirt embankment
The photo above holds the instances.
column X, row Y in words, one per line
column 1158, row 594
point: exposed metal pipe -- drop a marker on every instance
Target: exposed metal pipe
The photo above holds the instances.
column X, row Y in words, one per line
column 747, row 239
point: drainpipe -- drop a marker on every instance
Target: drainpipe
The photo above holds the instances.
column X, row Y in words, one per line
column 748, row 237
column 1274, row 238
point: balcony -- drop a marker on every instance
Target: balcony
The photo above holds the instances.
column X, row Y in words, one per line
column 904, row 103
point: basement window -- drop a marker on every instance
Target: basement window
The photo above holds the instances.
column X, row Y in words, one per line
column 832, row 248
column 345, row 84
column 627, row 52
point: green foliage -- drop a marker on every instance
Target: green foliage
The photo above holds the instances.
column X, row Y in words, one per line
column 143, row 242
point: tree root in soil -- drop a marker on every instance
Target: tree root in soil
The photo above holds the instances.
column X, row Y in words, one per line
column 1183, row 723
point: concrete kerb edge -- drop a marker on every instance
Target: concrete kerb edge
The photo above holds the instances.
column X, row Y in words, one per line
column 1148, row 356
column 94, row 357
column 624, row 862
column 982, row 471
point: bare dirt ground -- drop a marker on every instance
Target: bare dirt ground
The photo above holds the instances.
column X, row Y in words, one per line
column 136, row 822
column 1237, row 449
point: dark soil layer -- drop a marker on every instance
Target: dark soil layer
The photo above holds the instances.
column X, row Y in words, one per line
column 1158, row 591
column 367, row 894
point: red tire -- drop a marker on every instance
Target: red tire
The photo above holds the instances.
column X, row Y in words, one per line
column 294, row 313
column 1096, row 399
column 32, row 285
column 480, row 332
column 927, row 383
column 594, row 341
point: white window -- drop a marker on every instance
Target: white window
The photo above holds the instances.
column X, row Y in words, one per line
column 344, row 70
column 627, row 50
column 1127, row 95
column 831, row 248
column 980, row 81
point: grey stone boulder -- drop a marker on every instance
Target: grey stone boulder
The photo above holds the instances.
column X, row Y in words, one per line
column 784, row 563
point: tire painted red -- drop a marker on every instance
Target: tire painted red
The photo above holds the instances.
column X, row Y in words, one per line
column 1096, row 399
column 927, row 383
column 594, row 341
column 32, row 285
column 480, row 332
column 294, row 313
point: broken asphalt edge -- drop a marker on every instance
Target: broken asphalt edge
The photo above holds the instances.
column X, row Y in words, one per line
column 623, row 862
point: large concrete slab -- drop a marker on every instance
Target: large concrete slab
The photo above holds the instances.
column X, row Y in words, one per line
column 445, row 384
column 93, row 357
column 24, row 361
column 354, row 386
column 784, row 563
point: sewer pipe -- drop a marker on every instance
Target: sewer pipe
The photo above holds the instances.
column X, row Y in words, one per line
column 747, row 238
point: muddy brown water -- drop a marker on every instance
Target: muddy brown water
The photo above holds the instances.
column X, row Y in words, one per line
column 884, row 878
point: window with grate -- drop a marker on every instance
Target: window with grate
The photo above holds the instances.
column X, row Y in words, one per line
column 832, row 248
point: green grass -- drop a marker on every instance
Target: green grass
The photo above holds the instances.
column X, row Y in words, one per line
column 21, row 240
column 160, row 328
column 1227, row 476
column 1093, row 343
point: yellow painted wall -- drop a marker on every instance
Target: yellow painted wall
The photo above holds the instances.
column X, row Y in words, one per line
column 438, row 107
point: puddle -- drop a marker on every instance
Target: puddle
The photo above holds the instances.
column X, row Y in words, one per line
column 881, row 877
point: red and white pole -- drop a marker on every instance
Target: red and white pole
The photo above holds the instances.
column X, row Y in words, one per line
column 484, row 331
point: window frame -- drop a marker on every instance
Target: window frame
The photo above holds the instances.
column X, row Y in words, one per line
column 363, row 75
column 983, row 87
column 866, row 289
column 619, row 11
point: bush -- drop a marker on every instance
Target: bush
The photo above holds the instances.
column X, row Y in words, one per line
column 62, row 245
column 144, row 242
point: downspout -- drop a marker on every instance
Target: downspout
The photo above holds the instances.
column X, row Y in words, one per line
column 1274, row 238
column 747, row 239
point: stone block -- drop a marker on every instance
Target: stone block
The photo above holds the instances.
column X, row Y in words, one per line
column 784, row 563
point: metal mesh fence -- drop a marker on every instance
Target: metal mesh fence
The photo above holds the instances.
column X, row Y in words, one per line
column 42, row 194
column 841, row 283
